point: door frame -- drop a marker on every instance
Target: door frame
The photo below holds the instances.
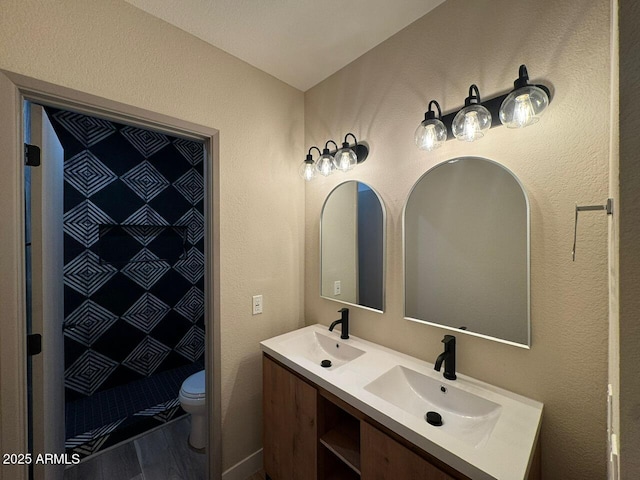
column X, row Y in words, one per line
column 13, row 378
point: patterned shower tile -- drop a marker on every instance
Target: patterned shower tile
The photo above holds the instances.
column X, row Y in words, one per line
column 87, row 130
column 145, row 141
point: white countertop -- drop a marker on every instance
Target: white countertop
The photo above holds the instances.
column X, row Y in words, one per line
column 504, row 455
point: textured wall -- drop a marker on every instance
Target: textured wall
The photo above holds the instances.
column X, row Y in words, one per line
column 564, row 159
column 116, row 51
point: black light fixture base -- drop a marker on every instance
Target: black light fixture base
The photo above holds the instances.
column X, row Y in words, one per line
column 362, row 152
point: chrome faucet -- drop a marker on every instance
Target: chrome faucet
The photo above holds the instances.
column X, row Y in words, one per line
column 344, row 320
column 448, row 357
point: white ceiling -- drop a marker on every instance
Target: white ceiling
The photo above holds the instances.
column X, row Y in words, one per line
column 301, row 42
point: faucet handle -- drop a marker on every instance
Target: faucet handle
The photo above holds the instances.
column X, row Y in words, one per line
column 342, row 310
column 449, row 339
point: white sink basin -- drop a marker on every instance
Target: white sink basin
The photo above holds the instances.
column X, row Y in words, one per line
column 466, row 416
column 316, row 347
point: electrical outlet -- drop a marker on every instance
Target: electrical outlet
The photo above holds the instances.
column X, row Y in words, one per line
column 257, row 304
column 337, row 288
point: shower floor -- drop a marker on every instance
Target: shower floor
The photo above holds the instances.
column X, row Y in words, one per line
column 114, row 415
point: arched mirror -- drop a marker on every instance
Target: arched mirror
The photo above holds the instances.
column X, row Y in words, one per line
column 466, row 250
column 352, row 229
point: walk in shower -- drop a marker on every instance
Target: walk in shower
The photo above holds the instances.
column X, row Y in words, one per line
column 133, row 276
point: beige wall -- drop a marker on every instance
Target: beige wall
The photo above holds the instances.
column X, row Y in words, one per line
column 113, row 50
column 564, row 159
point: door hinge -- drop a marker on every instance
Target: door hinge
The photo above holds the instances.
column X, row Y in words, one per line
column 34, row 344
column 31, row 155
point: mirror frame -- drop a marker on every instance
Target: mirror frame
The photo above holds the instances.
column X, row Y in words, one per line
column 384, row 250
column 528, row 283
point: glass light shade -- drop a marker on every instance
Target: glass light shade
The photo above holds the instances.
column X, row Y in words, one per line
column 325, row 165
column 345, row 159
column 471, row 123
column 523, row 107
column 430, row 134
column 307, row 170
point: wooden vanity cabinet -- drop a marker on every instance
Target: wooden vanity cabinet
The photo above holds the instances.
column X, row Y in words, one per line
column 290, row 435
column 310, row 434
column 383, row 458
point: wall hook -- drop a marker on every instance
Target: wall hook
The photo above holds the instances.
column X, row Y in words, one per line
column 585, row 208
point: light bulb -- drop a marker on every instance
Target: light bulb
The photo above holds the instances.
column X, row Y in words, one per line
column 345, row 159
column 307, row 170
column 430, row 134
column 523, row 110
column 471, row 123
column 471, row 128
column 325, row 165
column 523, row 107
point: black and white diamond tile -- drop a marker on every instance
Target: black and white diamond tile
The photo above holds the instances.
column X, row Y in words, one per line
column 158, row 409
column 191, row 306
column 147, row 356
column 93, row 441
column 145, row 224
column 88, row 322
column 191, row 346
column 192, row 151
column 145, row 180
column 192, row 267
column 88, row 372
column 86, row 275
column 83, row 221
column 167, row 415
column 191, row 186
column 194, row 221
column 87, row 130
column 146, row 312
column 145, row 268
column 145, row 141
column 129, row 314
column 87, row 173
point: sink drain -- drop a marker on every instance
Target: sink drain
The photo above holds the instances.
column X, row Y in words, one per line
column 325, row 363
column 434, row 418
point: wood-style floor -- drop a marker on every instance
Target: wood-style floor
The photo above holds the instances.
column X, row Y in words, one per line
column 162, row 454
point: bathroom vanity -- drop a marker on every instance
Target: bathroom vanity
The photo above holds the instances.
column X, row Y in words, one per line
column 364, row 416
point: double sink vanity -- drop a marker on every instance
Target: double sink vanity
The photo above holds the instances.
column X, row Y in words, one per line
column 364, row 416
column 340, row 407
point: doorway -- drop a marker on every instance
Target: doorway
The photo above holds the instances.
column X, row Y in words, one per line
column 19, row 88
column 133, row 273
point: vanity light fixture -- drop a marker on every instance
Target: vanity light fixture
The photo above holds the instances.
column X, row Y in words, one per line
column 342, row 159
column 471, row 123
column 517, row 109
column 524, row 105
column 307, row 168
column 431, row 133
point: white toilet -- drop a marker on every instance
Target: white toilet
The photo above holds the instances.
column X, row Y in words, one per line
column 193, row 401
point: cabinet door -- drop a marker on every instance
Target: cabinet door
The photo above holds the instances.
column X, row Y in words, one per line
column 290, row 427
column 383, row 458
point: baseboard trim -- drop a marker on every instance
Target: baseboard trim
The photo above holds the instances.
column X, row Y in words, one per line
column 244, row 468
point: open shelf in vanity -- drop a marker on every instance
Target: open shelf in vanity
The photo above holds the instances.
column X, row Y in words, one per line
column 339, row 435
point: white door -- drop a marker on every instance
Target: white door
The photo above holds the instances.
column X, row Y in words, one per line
column 48, row 295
